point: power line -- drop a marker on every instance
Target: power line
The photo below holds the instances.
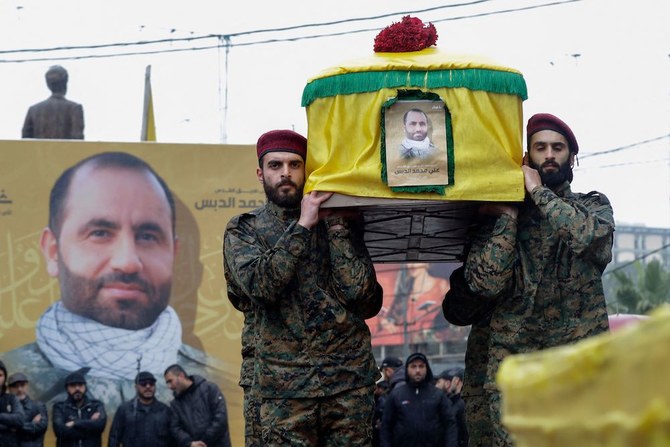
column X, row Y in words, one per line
column 361, row 19
column 243, row 33
column 621, row 148
column 111, row 45
column 639, row 258
column 259, row 42
column 628, row 163
column 105, row 56
column 449, row 19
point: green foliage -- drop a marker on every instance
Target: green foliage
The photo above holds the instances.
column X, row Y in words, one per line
column 643, row 289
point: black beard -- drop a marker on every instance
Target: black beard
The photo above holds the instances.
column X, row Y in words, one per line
column 554, row 178
column 283, row 200
column 73, row 285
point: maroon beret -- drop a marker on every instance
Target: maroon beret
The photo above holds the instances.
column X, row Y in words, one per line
column 281, row 141
column 546, row 121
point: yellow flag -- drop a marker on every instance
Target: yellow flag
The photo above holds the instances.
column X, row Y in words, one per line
column 148, row 122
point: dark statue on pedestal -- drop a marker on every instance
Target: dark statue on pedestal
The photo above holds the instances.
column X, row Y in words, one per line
column 55, row 117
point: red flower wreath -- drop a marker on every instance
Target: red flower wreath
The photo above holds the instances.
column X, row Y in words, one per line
column 408, row 35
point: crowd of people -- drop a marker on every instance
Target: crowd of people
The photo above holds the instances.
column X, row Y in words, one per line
column 196, row 417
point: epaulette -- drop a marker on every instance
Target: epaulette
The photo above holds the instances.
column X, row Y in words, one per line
column 600, row 196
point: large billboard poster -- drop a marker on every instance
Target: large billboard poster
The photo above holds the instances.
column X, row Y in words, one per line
column 40, row 338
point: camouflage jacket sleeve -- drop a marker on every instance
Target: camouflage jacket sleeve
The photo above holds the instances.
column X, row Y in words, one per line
column 262, row 273
column 354, row 281
column 489, row 267
column 585, row 222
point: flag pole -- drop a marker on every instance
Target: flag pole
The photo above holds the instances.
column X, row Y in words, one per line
column 148, row 123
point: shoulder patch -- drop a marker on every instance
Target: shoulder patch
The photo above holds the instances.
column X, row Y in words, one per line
column 241, row 218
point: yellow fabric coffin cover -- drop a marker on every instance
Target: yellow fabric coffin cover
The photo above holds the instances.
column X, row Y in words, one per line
column 484, row 100
column 611, row 390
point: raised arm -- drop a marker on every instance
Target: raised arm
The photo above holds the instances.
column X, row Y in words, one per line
column 490, row 261
column 261, row 272
column 354, row 280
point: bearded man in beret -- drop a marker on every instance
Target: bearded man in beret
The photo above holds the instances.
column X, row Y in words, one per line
column 540, row 267
column 305, row 282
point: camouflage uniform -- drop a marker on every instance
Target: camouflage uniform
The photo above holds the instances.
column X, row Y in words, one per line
column 545, row 270
column 477, row 414
column 311, row 291
column 252, row 400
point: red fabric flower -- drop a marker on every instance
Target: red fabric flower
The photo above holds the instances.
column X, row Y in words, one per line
column 408, row 35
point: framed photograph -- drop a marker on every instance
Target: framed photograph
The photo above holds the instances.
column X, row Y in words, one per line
column 416, row 143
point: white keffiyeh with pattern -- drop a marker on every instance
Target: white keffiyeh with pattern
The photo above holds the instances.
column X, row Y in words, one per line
column 71, row 341
column 417, row 149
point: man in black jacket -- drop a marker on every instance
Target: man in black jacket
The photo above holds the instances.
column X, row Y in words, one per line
column 458, row 404
column 142, row 421
column 199, row 417
column 11, row 413
column 31, row 433
column 78, row 421
column 417, row 413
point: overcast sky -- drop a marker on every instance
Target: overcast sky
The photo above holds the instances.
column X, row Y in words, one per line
column 601, row 65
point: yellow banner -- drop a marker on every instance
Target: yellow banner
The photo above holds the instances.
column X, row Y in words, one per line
column 210, row 183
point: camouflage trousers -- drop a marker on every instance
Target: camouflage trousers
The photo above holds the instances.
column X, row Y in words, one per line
column 477, row 418
column 483, row 418
column 252, row 417
column 344, row 419
column 501, row 437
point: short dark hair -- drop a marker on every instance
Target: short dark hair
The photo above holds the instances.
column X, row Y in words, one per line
column 122, row 160
column 404, row 117
column 175, row 369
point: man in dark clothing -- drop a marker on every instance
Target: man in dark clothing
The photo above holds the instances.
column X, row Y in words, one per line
column 541, row 263
column 142, row 421
column 397, row 378
column 199, row 417
column 11, row 413
column 458, row 404
column 443, row 381
column 417, row 413
column 389, row 365
column 78, row 421
column 381, row 393
column 31, row 433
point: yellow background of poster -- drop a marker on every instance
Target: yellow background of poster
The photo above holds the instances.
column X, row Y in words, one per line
column 211, row 184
